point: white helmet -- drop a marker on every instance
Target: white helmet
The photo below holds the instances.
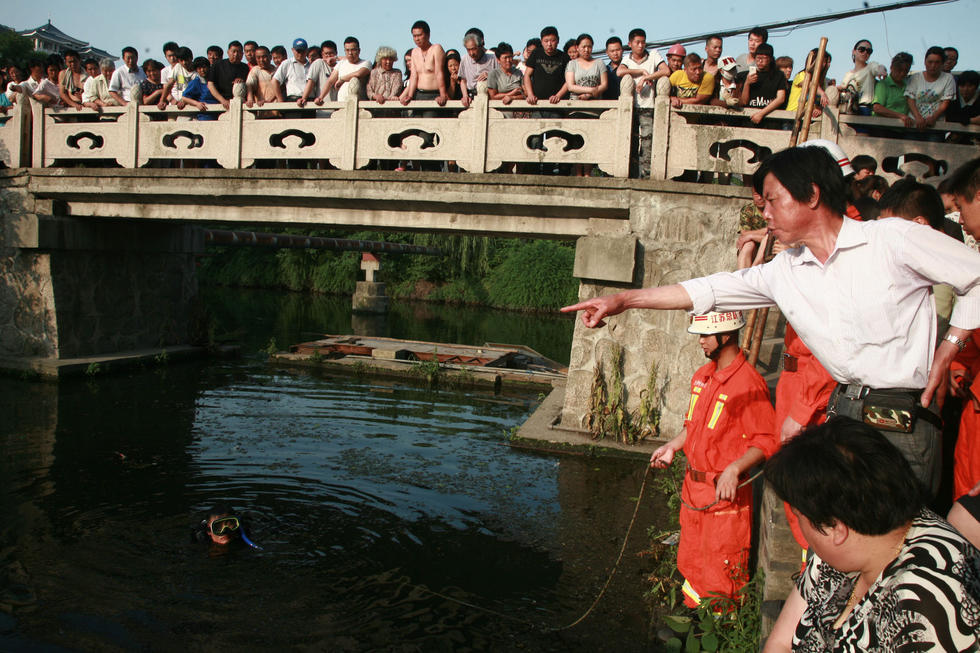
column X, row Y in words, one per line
column 835, row 151
column 713, row 322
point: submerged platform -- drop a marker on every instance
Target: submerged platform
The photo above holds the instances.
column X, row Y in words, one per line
column 489, row 365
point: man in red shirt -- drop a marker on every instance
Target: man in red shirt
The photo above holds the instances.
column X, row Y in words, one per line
column 727, row 431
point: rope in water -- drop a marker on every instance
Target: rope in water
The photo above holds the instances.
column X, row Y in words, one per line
column 605, row 586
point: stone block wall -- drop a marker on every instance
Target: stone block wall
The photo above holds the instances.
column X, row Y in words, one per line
column 74, row 287
column 27, row 313
column 680, row 236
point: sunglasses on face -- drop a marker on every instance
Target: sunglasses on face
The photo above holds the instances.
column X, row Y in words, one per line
column 224, row 526
column 863, row 49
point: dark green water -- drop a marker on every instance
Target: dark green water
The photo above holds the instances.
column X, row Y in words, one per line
column 362, row 493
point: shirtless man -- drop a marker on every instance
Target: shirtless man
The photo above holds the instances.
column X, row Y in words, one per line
column 260, row 87
column 428, row 60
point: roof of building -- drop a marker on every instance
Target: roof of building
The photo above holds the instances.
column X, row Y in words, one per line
column 52, row 33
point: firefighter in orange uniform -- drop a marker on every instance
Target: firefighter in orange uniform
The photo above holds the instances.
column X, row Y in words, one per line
column 727, row 431
column 964, row 371
column 802, row 395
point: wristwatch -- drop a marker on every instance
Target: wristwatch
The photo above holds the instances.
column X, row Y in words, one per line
column 960, row 344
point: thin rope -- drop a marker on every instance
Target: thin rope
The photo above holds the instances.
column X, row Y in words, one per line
column 716, row 501
column 605, row 586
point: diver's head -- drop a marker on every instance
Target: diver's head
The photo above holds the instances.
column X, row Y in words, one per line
column 221, row 525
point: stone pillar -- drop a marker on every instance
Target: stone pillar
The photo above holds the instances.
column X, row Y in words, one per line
column 369, row 295
column 82, row 287
column 674, row 235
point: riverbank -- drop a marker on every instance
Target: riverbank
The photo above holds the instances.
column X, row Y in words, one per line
column 474, row 270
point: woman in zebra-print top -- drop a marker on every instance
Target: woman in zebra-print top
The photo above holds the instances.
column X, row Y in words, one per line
column 886, row 574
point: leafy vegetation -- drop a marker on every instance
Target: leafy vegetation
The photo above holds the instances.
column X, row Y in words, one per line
column 15, row 48
column 608, row 415
column 500, row 272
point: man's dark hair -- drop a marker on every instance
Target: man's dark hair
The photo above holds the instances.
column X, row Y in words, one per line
column 765, row 50
column 202, row 61
column 637, row 31
column 865, row 187
column 131, row 50
column 262, row 47
column 910, row 199
column 536, row 42
column 949, row 47
column 328, row 44
column 281, row 51
column 234, row 43
column 845, row 471
column 90, row 60
column 868, row 208
column 254, row 44
column 761, row 32
column 584, row 36
column 712, row 38
column 352, row 39
column 35, row 63
column 969, row 77
column 613, row 39
column 569, row 44
column 170, row 46
column 184, row 53
column 218, row 49
column 799, row 169
column 550, row 30
column 937, row 51
column 965, row 180
column 902, row 58
column 504, row 48
column 71, row 53
column 694, row 57
column 864, row 162
column 422, row 25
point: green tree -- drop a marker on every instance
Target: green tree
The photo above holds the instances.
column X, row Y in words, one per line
column 14, row 48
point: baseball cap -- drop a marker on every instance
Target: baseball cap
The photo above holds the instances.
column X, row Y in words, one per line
column 299, row 44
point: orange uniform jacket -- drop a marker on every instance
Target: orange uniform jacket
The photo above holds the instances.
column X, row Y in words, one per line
column 729, row 412
column 966, row 468
column 802, row 395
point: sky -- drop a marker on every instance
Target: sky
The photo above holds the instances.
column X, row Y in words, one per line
column 113, row 24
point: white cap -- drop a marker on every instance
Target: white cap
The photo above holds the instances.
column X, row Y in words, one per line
column 714, row 322
column 835, row 151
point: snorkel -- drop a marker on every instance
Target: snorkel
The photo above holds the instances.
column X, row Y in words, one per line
column 222, row 526
column 248, row 541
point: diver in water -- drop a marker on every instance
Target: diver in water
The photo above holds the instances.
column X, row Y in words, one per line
column 222, row 529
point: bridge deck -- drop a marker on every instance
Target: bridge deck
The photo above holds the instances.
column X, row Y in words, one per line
column 525, row 205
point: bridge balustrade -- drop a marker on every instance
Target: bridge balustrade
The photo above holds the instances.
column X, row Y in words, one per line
column 480, row 138
column 720, row 140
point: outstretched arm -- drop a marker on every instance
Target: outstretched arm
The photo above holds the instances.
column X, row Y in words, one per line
column 661, row 298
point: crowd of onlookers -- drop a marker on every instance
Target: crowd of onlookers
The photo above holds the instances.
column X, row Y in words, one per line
column 540, row 72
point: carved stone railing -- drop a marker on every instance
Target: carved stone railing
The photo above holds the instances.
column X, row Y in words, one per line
column 347, row 134
column 715, row 139
column 15, row 137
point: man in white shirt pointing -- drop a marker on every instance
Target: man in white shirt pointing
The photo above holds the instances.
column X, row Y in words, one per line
column 857, row 293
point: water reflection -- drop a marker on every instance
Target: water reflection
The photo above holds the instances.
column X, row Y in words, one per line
column 295, row 317
column 363, row 495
